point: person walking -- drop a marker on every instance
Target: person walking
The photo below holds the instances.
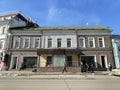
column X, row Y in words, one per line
column 64, row 68
column 110, row 67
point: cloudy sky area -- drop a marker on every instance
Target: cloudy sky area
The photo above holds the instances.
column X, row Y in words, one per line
column 68, row 12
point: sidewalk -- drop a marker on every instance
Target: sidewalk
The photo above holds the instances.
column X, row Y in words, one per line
column 54, row 75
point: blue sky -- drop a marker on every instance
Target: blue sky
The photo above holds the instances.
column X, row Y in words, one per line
column 68, row 12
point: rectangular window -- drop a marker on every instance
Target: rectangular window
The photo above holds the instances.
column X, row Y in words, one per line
column 49, row 43
column 91, row 42
column 26, row 42
column 16, row 42
column 101, row 42
column 58, row 42
column 81, row 42
column 1, row 44
column 69, row 42
column 36, row 42
column 3, row 30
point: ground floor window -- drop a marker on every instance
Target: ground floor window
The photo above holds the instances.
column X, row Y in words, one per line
column 29, row 62
column 14, row 62
column 58, row 60
column 88, row 60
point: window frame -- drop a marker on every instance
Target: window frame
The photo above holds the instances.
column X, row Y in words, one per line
column 93, row 42
column 14, row 45
column 28, row 46
column 38, row 45
column 83, row 38
column 49, row 42
column 59, row 42
column 69, row 42
column 103, row 42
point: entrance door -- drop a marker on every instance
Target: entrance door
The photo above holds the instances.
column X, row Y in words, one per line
column 14, row 63
column 103, row 62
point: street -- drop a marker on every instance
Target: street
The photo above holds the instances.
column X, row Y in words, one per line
column 60, row 84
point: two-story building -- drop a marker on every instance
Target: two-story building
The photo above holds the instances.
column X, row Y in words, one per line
column 54, row 47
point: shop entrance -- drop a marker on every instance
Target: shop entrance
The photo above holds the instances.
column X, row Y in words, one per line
column 29, row 62
column 88, row 60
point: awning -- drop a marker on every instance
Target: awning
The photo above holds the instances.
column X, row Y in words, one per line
column 58, row 51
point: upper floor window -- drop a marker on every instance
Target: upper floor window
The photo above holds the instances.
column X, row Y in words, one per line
column 101, row 42
column 36, row 42
column 59, row 42
column 91, row 42
column 1, row 44
column 2, row 31
column 16, row 42
column 69, row 42
column 26, row 42
column 81, row 42
column 49, row 43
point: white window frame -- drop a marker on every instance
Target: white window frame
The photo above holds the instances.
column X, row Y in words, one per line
column 14, row 45
column 70, row 42
column 93, row 39
column 58, row 42
column 28, row 42
column 103, row 42
column 83, row 42
column 48, row 42
column 35, row 42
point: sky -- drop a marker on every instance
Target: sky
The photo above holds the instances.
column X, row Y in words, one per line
column 68, row 12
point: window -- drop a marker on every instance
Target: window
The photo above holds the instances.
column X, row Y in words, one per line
column 69, row 42
column 101, row 42
column 49, row 43
column 16, row 42
column 91, row 42
column 1, row 44
column 36, row 42
column 58, row 42
column 81, row 42
column 49, row 61
column 27, row 42
column 3, row 30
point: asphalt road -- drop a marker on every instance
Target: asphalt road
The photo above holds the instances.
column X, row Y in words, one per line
column 60, row 84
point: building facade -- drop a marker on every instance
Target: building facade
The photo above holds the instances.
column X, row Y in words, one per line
column 23, row 48
column 55, row 47
column 116, row 49
column 10, row 20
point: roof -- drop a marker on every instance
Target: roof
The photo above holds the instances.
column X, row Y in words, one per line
column 79, row 27
column 19, row 15
column 67, row 28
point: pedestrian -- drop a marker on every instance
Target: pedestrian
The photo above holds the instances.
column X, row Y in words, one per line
column 82, row 67
column 64, row 68
column 110, row 67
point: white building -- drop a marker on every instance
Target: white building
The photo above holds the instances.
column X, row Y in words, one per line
column 10, row 20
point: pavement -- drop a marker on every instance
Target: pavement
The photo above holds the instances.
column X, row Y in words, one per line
column 56, row 75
